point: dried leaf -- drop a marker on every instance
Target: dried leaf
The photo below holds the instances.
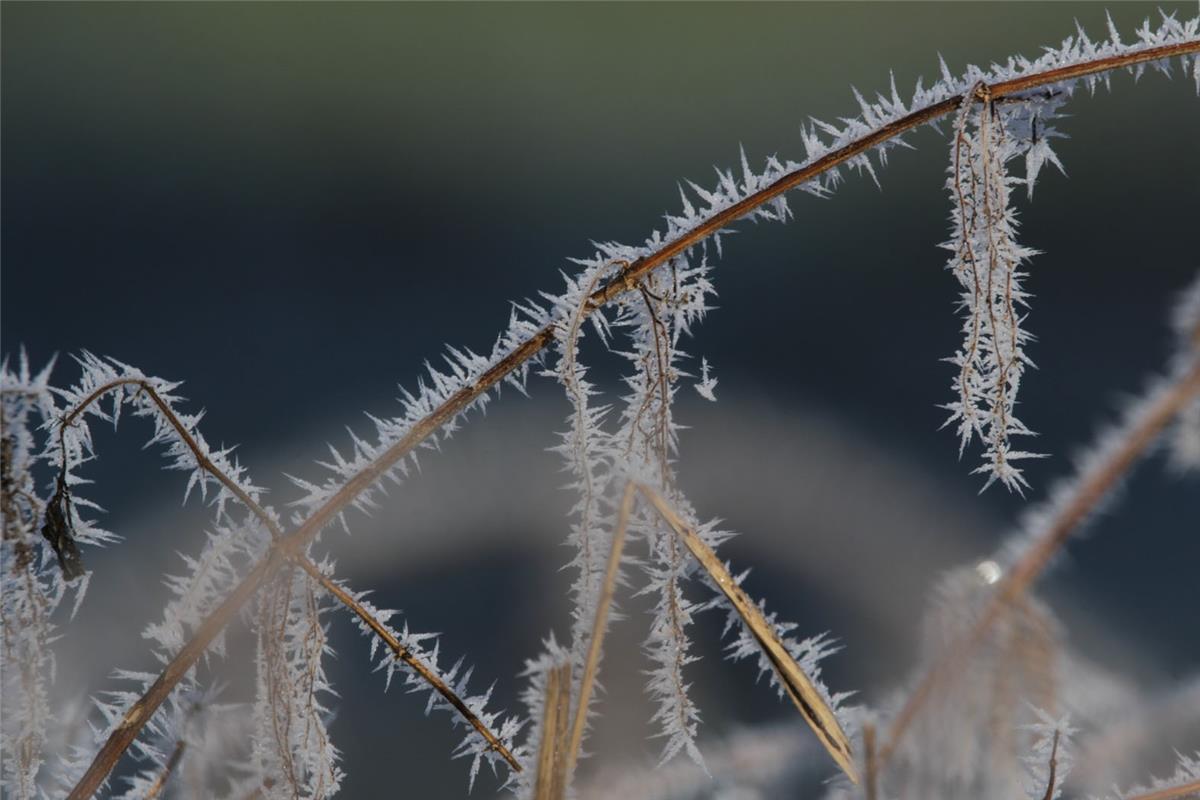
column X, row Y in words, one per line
column 58, row 532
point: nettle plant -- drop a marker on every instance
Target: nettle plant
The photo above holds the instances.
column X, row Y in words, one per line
column 985, row 715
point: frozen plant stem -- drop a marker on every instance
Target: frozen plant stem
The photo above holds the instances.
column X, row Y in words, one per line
column 1050, row 781
column 170, row 416
column 799, row 687
column 402, row 654
column 628, row 279
column 1089, row 492
column 598, row 629
column 870, row 756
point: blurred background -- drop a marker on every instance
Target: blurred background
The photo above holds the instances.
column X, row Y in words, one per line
column 291, row 206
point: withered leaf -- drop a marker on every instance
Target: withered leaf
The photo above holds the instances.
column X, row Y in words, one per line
column 60, row 534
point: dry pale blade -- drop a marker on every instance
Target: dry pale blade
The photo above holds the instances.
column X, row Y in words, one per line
column 599, row 626
column 808, row 700
column 552, row 750
column 403, row 655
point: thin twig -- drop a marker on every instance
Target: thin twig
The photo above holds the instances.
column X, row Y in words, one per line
column 169, row 415
column 599, row 628
column 1089, row 492
column 161, row 781
column 403, row 654
column 813, row 707
column 560, row 778
column 1049, row 795
column 144, row 707
column 140, row 712
column 658, row 439
column 569, row 375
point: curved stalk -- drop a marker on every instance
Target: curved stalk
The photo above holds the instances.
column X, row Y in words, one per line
column 169, row 415
column 402, row 654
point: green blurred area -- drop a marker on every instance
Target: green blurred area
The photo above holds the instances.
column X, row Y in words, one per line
column 540, row 97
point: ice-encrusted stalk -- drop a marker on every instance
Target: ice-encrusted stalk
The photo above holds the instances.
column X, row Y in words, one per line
column 370, row 618
column 812, row 703
column 599, row 627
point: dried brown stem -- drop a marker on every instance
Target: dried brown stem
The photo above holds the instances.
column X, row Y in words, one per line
column 871, row 780
column 599, row 627
column 1089, row 491
column 626, row 281
column 161, row 781
column 1171, row 792
column 657, row 439
column 571, row 382
column 402, row 654
column 552, row 756
column 812, row 705
column 968, row 251
column 1053, row 776
column 189, row 441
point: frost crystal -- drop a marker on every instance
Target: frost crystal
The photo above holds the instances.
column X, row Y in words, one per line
column 707, row 383
column 421, row 650
column 533, row 697
column 291, row 742
column 31, row 584
column 986, row 261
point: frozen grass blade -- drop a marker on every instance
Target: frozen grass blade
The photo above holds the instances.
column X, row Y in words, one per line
column 402, row 654
column 1053, row 767
column 598, row 629
column 813, row 707
column 871, row 757
column 552, row 750
column 186, row 437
